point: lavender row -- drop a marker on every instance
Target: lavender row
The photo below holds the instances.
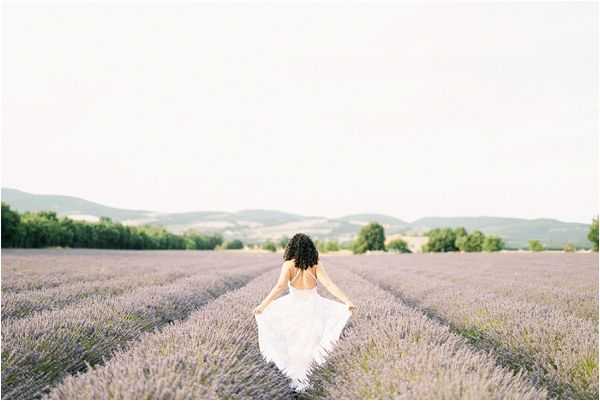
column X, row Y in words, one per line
column 38, row 351
column 558, row 349
column 556, row 270
column 44, row 269
column 134, row 274
column 392, row 351
column 570, row 289
column 17, row 305
column 49, row 268
column 567, row 281
column 214, row 355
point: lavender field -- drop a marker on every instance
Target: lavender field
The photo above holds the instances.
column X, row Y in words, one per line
column 81, row 324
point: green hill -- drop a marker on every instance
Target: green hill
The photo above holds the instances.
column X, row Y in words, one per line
column 66, row 205
column 261, row 224
column 516, row 232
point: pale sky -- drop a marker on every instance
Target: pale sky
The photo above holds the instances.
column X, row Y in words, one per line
column 409, row 110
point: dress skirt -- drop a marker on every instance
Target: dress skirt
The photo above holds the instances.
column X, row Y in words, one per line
column 299, row 328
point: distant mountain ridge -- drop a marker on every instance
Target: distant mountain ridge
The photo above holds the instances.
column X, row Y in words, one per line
column 262, row 224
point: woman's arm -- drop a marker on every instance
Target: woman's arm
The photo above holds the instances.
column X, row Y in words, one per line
column 280, row 286
column 323, row 277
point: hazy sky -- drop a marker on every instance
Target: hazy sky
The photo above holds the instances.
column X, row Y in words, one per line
column 408, row 110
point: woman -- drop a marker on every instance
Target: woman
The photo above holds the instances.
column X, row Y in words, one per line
column 301, row 327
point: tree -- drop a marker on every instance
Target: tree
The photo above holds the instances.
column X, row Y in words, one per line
column 492, row 244
column 370, row 238
column 46, row 228
column 10, row 226
column 535, row 245
column 592, row 234
column 195, row 240
column 440, row 240
column 331, row 246
column 215, row 240
column 235, row 244
column 398, row 245
column 359, row 247
column 460, row 232
column 461, row 243
column 569, row 247
column 461, row 237
column 472, row 242
column 269, row 246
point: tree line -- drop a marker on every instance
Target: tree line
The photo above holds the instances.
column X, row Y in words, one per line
column 372, row 238
column 452, row 240
column 447, row 239
column 46, row 229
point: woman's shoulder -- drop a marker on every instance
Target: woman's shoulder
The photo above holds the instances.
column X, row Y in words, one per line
column 289, row 264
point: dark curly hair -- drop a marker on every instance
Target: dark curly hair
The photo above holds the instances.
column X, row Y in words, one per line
column 302, row 250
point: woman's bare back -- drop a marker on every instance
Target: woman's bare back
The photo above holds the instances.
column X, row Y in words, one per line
column 303, row 279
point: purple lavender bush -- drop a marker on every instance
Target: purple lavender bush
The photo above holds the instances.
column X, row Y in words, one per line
column 392, row 351
column 557, row 347
column 212, row 355
column 93, row 324
column 39, row 350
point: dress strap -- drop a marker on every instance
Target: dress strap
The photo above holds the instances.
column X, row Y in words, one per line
column 313, row 276
column 316, row 281
column 298, row 272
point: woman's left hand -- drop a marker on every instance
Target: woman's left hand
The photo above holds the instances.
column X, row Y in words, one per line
column 259, row 309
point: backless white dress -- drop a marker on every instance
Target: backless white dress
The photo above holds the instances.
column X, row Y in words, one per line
column 300, row 327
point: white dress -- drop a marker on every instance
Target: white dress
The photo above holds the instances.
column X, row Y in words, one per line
column 300, row 327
